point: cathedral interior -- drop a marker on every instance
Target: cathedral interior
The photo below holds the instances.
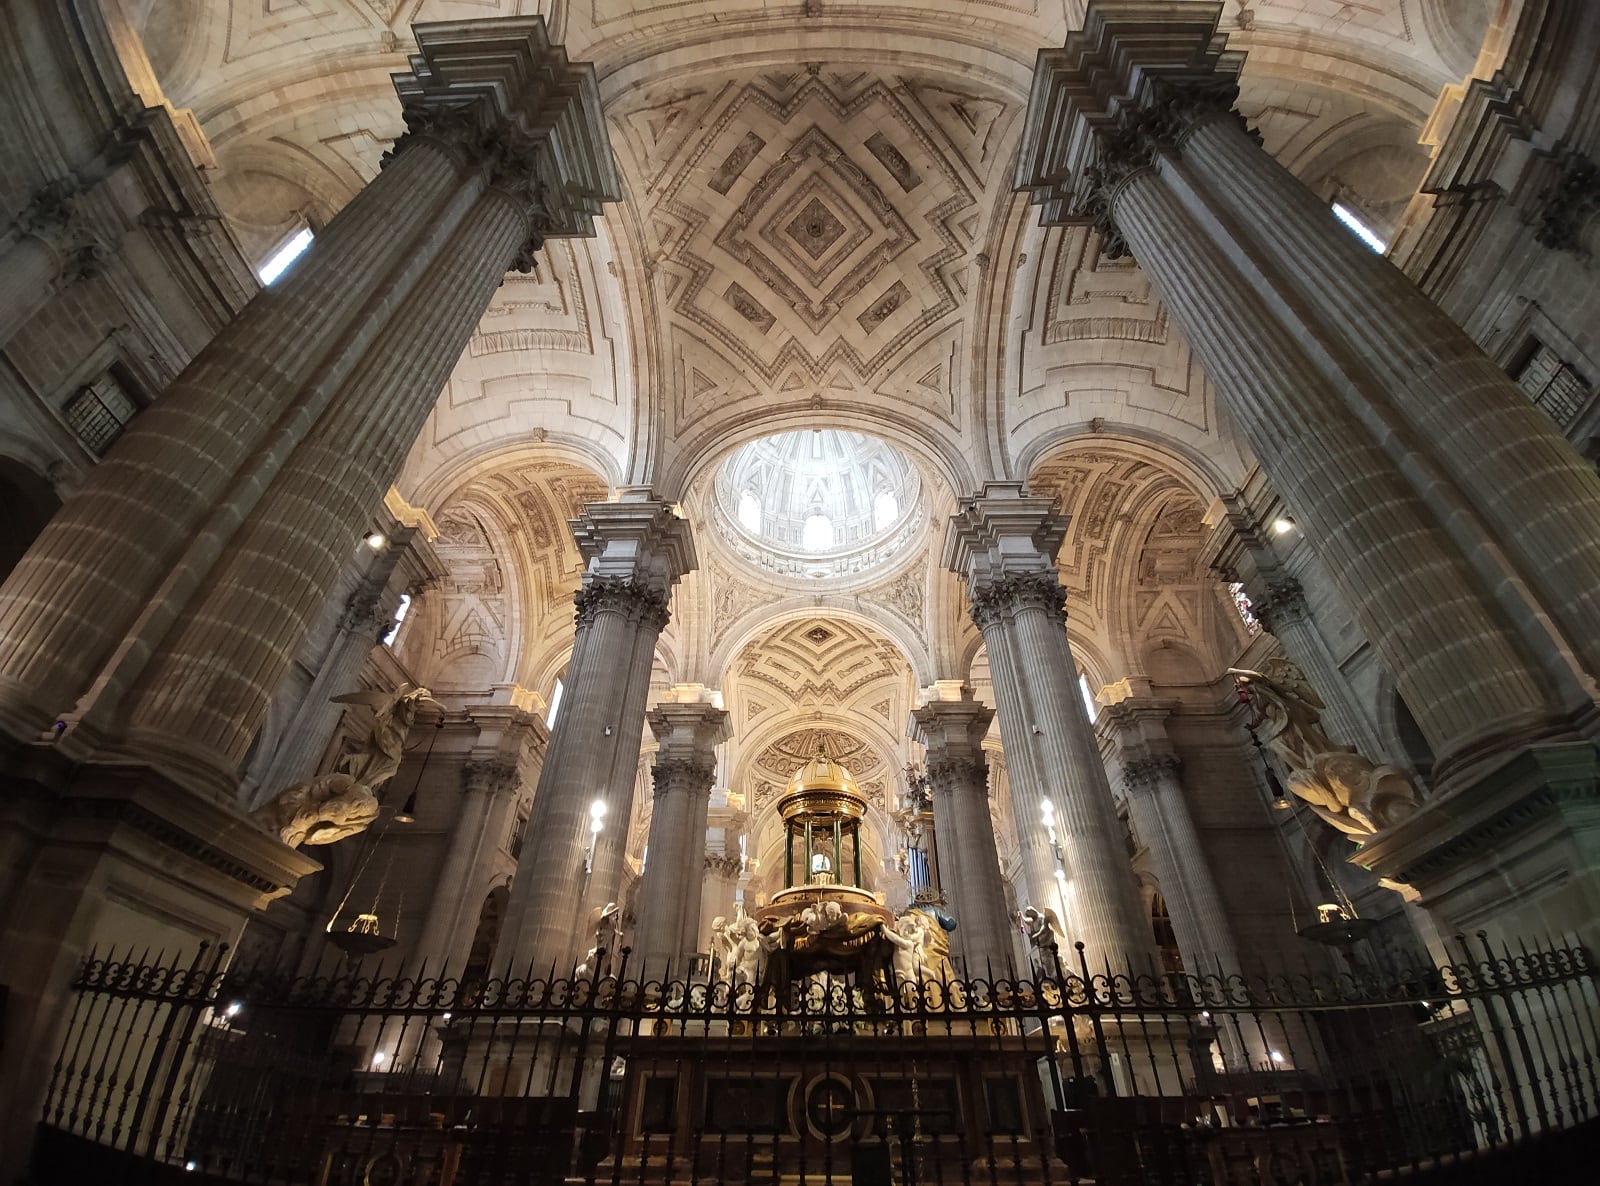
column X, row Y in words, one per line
column 607, row 575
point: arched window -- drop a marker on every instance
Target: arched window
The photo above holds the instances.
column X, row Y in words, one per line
column 400, row 612
column 293, row 248
column 750, row 512
column 817, row 534
column 885, row 510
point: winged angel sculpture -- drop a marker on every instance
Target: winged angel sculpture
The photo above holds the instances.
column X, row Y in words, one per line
column 1344, row 788
column 342, row 802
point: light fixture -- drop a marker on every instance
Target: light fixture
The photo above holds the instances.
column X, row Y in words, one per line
column 234, row 1007
column 375, row 540
column 1277, row 1058
column 408, row 810
column 1283, row 524
column 379, row 1058
column 597, row 821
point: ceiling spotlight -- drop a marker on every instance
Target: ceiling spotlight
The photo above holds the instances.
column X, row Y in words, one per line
column 408, row 810
column 375, row 540
column 1283, row 524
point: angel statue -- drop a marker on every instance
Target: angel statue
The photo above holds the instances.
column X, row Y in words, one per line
column 341, row 803
column 1344, row 788
column 1044, row 933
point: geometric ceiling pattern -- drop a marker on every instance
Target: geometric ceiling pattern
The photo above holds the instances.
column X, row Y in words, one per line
column 817, row 230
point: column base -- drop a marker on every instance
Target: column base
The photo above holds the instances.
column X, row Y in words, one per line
column 1516, row 854
column 116, row 859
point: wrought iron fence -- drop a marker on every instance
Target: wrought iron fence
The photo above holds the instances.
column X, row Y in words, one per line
column 200, row 1071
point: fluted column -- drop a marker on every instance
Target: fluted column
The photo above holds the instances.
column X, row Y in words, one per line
column 1539, row 500
column 958, row 775
column 685, row 767
column 305, row 739
column 636, row 548
column 1003, row 543
column 269, row 449
column 1161, row 816
column 489, row 788
column 1104, row 145
column 1283, row 611
column 79, row 588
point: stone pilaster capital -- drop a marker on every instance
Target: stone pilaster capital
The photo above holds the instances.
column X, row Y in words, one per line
column 952, row 732
column 1133, row 83
column 673, row 775
column 955, row 774
column 503, row 96
column 632, row 599
column 719, row 864
column 1147, row 773
column 52, row 216
column 363, row 616
column 636, row 539
column 1003, row 543
column 492, row 776
column 1570, row 201
column 1282, row 602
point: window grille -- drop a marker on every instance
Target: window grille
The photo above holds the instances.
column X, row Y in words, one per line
column 1552, row 385
column 99, row 412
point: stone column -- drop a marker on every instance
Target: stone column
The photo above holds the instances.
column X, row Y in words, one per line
column 1003, row 543
column 969, row 873
column 226, row 508
column 685, row 767
column 1106, row 128
column 489, row 789
column 305, row 739
column 1538, row 499
column 636, row 549
column 1160, row 813
column 1240, row 550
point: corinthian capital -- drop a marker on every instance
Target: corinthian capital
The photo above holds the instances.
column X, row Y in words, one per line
column 1145, row 774
column 635, row 601
column 1002, row 598
column 493, row 776
column 670, row 775
column 1127, row 87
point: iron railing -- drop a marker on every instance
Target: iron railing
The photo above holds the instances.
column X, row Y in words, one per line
column 201, row 1071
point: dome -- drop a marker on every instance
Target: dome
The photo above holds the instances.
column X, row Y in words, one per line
column 822, row 788
column 819, row 503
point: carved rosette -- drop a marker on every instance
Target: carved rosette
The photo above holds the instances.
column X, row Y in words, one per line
column 636, row 602
column 682, row 774
column 492, row 776
column 1006, row 596
column 1146, row 774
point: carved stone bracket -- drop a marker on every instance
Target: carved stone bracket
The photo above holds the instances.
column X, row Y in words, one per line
column 1004, row 596
column 623, row 595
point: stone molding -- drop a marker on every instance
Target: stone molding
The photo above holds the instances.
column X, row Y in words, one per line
column 494, row 776
column 1004, row 596
column 635, row 601
column 682, row 774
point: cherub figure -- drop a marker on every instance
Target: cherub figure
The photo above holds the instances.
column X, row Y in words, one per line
column 748, row 955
